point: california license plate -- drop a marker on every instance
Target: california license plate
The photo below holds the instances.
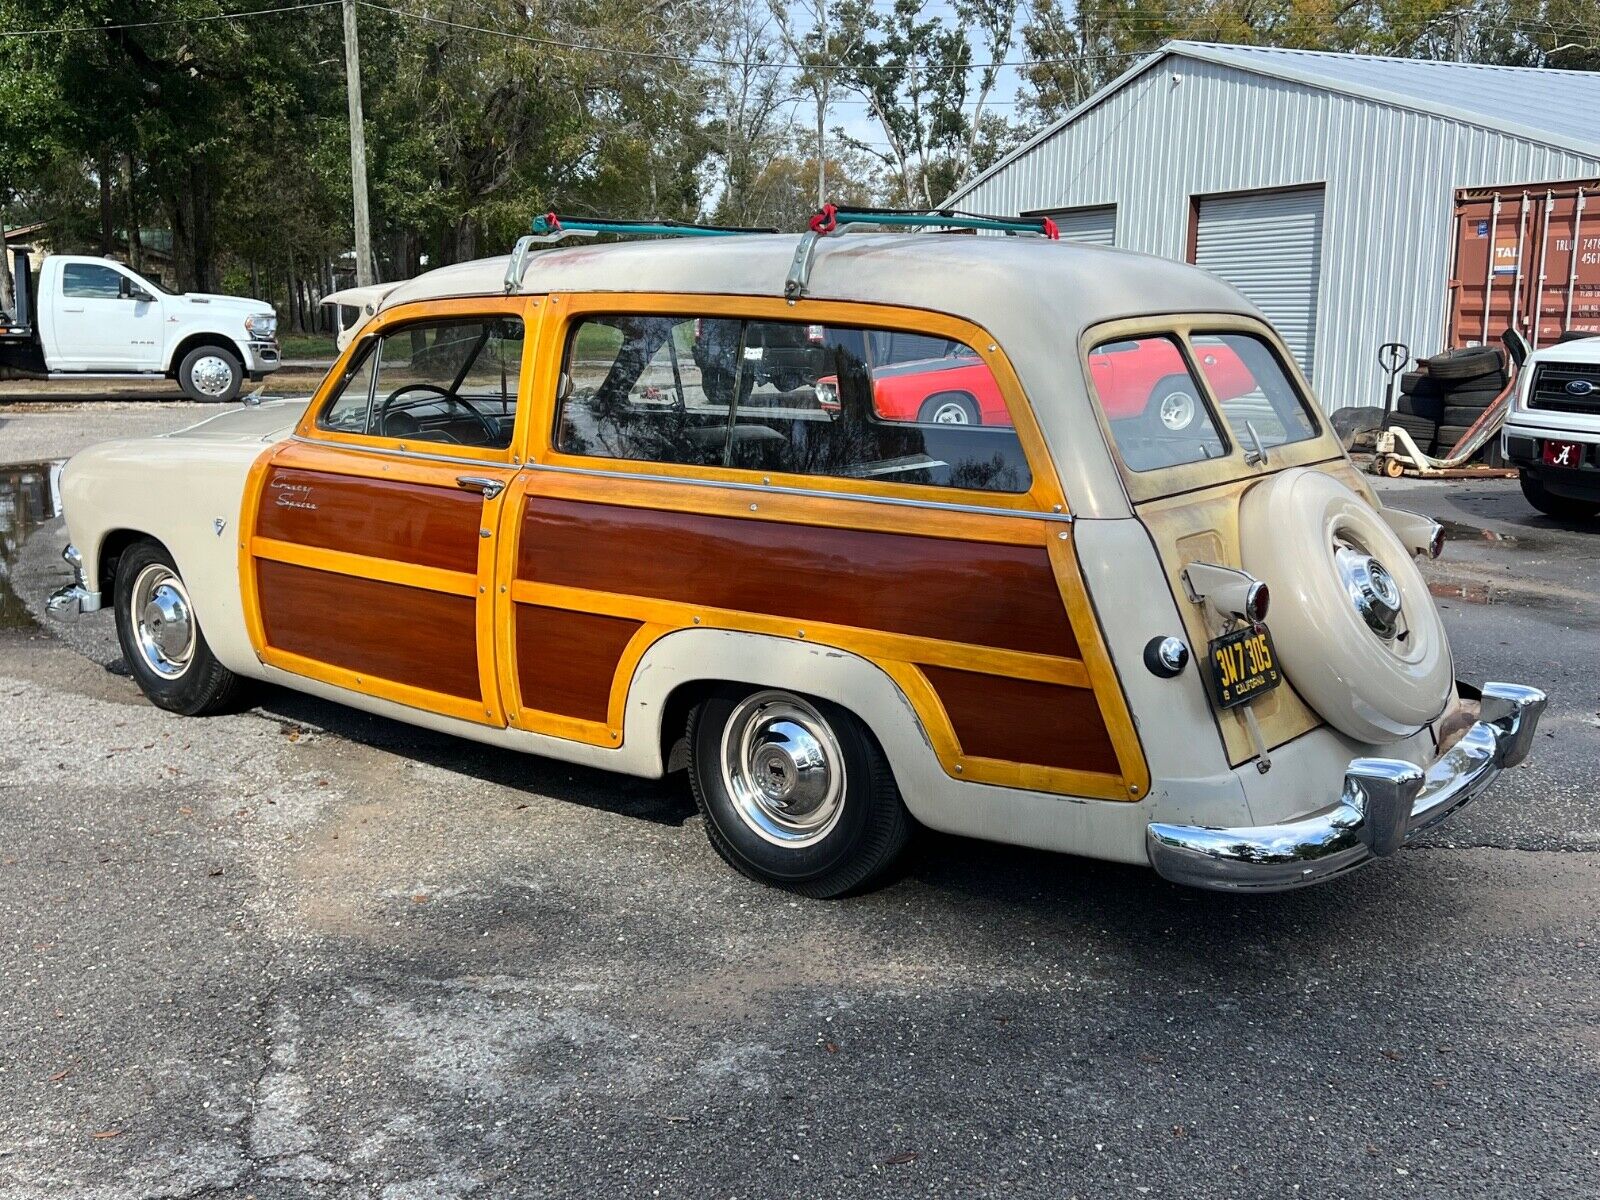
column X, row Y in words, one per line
column 1243, row 666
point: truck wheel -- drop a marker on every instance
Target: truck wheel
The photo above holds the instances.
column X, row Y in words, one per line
column 794, row 792
column 1561, row 507
column 210, row 375
column 161, row 638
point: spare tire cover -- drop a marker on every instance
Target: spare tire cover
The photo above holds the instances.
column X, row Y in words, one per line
column 1356, row 630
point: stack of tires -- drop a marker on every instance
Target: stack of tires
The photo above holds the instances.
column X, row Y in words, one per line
column 1447, row 394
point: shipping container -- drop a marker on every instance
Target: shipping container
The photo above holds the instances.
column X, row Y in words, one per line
column 1527, row 258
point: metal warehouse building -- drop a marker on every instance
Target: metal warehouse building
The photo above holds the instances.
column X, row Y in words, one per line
column 1334, row 190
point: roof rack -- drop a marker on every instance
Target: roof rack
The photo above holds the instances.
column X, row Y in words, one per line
column 549, row 229
column 831, row 218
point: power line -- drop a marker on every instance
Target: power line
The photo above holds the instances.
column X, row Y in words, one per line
column 240, row 15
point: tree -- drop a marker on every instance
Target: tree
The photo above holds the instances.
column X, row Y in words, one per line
column 914, row 71
column 749, row 106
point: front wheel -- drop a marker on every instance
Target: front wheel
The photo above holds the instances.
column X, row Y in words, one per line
column 161, row 638
column 1551, row 505
column 211, row 375
column 794, row 792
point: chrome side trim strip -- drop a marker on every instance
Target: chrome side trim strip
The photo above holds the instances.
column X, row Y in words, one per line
column 771, row 489
column 387, row 453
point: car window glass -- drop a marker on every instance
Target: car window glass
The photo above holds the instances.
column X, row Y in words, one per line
column 89, row 281
column 1251, row 385
column 347, row 411
column 651, row 388
column 1153, row 405
column 450, row 382
column 778, row 396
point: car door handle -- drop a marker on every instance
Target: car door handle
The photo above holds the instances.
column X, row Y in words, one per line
column 476, row 483
column 66, row 308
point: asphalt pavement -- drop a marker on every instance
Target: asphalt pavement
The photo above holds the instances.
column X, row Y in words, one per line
column 302, row 952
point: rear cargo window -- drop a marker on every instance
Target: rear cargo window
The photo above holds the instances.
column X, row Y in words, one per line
column 782, row 396
column 1153, row 403
column 1253, row 389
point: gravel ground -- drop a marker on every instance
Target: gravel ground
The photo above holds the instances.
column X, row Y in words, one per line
column 302, row 952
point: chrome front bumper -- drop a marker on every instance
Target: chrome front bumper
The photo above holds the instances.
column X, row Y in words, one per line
column 1384, row 802
column 76, row 597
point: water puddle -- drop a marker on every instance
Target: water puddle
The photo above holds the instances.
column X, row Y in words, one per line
column 30, row 495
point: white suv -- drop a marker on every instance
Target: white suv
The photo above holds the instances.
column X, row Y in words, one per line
column 1552, row 434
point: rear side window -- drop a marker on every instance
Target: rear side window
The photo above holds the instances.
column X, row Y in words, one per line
column 1153, row 403
column 781, row 396
column 1253, row 389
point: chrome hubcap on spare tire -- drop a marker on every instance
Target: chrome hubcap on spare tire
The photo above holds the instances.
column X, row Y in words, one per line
column 1176, row 410
column 211, row 375
column 783, row 769
column 163, row 623
column 1372, row 590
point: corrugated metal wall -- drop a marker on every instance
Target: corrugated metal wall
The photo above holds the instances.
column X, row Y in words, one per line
column 1390, row 177
column 1092, row 226
column 1269, row 246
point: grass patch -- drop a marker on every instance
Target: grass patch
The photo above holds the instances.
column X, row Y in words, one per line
column 307, row 345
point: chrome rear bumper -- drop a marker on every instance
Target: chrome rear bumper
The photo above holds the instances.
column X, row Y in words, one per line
column 1383, row 803
column 76, row 597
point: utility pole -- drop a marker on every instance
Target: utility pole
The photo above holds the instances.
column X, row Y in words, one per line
column 823, row 86
column 365, row 274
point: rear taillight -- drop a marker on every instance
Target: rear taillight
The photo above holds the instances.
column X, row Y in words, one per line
column 1256, row 601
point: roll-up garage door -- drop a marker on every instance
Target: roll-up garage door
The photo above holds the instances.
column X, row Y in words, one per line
column 1269, row 246
column 1094, row 226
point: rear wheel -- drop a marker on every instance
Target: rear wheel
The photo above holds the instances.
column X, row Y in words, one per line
column 794, row 791
column 1562, row 507
column 161, row 637
column 1173, row 405
column 949, row 408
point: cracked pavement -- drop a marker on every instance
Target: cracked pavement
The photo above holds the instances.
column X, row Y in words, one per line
column 304, row 952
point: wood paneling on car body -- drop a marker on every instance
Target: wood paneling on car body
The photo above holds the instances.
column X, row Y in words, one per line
column 980, row 593
column 567, row 660
column 379, row 518
column 1022, row 721
column 419, row 638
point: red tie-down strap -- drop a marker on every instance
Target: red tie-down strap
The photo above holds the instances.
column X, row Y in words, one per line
column 1050, row 230
column 552, row 222
column 825, row 220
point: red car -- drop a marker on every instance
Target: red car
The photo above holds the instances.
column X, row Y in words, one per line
column 1146, row 376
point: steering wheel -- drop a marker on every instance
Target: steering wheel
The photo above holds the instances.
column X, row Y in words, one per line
column 392, row 403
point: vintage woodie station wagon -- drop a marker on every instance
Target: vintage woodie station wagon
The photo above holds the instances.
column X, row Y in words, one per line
column 586, row 501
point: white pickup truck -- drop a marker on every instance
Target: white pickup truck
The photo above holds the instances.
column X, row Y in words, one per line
column 94, row 318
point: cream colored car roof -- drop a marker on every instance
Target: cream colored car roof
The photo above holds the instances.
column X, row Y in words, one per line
column 1035, row 297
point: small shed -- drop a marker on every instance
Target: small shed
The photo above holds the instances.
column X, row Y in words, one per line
column 1339, row 192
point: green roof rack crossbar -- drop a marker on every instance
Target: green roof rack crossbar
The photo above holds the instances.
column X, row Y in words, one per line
column 549, row 228
column 831, row 218
column 551, row 223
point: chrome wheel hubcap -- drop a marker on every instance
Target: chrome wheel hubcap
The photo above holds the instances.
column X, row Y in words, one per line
column 1372, row 590
column 163, row 623
column 951, row 414
column 783, row 768
column 211, row 375
column 1177, row 410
